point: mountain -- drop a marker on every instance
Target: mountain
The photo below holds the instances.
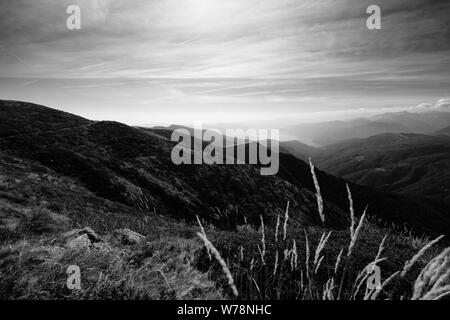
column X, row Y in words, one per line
column 298, row 149
column 325, row 133
column 133, row 167
column 107, row 198
column 444, row 131
column 423, row 122
column 395, row 162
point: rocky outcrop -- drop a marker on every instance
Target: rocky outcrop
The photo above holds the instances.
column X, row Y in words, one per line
column 79, row 238
column 128, row 237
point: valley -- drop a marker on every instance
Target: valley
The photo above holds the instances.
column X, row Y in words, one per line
column 132, row 210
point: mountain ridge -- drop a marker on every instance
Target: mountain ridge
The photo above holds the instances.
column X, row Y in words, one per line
column 330, row 132
column 416, row 164
column 133, row 166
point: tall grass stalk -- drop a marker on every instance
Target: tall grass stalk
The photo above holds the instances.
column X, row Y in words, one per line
column 353, row 237
column 433, row 281
column 222, row 262
column 343, row 282
column 409, row 264
column 204, row 233
column 352, row 211
column 277, row 226
column 286, row 218
column 263, row 239
column 318, row 193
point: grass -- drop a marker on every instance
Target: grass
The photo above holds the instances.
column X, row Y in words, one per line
column 313, row 267
column 260, row 258
column 316, row 265
column 37, row 206
column 157, row 270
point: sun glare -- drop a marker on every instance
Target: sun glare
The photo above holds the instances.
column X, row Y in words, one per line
column 209, row 15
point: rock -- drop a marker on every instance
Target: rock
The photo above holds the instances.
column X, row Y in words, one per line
column 79, row 242
column 91, row 235
column 128, row 237
column 80, row 238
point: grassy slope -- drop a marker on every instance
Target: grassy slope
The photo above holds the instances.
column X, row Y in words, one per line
column 406, row 163
column 33, row 261
column 39, row 200
column 37, row 205
column 133, row 166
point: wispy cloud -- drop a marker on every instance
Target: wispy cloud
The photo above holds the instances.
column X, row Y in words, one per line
column 290, row 55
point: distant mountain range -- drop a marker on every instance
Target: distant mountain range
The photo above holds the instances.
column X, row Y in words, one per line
column 132, row 166
column 326, row 133
column 395, row 162
column 444, row 131
column 299, row 149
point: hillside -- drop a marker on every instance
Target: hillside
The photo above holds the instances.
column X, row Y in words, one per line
column 444, row 131
column 40, row 210
column 419, row 213
column 403, row 163
column 298, row 149
column 133, row 166
column 106, row 197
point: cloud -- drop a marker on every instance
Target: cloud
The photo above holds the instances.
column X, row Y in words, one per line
column 442, row 105
column 214, row 38
column 285, row 56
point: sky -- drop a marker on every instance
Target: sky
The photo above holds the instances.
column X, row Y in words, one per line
column 149, row 62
